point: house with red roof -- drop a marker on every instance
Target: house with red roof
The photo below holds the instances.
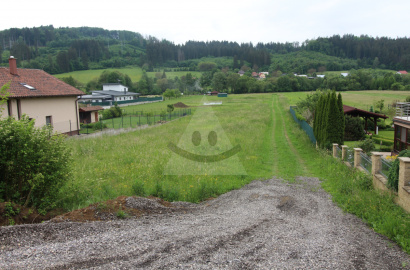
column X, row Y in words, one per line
column 42, row 97
column 402, row 72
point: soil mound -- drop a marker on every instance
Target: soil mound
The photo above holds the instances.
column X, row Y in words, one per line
column 180, row 105
column 122, row 207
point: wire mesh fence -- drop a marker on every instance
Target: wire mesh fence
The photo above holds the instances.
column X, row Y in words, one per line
column 338, row 152
column 350, row 156
column 386, row 165
column 133, row 121
column 304, row 125
column 366, row 162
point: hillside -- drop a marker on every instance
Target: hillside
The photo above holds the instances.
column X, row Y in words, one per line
column 60, row 50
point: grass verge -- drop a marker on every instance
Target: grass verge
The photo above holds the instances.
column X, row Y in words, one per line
column 351, row 189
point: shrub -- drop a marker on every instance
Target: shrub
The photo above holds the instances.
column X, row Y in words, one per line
column 393, row 177
column 366, row 145
column 33, row 164
column 112, row 112
column 354, row 129
column 98, row 125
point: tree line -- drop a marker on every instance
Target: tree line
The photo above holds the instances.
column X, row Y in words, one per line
column 58, row 50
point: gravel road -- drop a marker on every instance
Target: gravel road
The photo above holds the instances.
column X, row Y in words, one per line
column 264, row 225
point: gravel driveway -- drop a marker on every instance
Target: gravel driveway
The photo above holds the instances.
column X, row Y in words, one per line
column 264, row 225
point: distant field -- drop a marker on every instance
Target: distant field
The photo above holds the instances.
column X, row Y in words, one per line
column 135, row 74
column 358, row 99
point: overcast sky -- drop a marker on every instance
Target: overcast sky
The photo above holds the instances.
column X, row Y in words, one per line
column 231, row 20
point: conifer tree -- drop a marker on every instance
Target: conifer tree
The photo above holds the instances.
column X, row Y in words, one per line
column 341, row 120
column 333, row 120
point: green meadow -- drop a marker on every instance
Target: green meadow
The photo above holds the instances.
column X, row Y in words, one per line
column 359, row 99
column 135, row 73
column 271, row 145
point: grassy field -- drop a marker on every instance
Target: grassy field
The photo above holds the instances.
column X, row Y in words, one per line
column 359, row 99
column 272, row 145
column 107, row 167
column 135, row 74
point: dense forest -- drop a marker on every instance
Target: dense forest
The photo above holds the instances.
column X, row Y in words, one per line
column 59, row 50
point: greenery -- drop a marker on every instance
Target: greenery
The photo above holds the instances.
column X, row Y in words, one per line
column 112, row 112
column 366, row 145
column 354, row 129
column 393, row 177
column 329, row 124
column 33, row 165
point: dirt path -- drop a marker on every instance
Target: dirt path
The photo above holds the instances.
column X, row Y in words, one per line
column 264, row 225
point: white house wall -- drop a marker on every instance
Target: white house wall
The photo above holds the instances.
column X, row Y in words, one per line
column 63, row 111
column 119, row 88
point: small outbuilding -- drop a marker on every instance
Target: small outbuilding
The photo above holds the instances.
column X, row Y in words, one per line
column 89, row 114
column 355, row 112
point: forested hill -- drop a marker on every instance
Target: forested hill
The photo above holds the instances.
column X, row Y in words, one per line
column 58, row 50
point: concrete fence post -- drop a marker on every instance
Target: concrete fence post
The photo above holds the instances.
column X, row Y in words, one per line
column 376, row 163
column 335, row 145
column 357, row 157
column 344, row 152
column 404, row 183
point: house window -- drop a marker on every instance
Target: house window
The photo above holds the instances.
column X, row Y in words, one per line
column 49, row 120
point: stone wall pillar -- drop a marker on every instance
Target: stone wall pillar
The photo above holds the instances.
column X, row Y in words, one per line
column 404, row 183
column 357, row 157
column 376, row 162
column 335, row 145
column 344, row 152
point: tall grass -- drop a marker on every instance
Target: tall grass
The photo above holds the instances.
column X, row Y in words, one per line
column 110, row 166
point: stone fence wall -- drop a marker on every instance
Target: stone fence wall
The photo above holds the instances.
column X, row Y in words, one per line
column 402, row 197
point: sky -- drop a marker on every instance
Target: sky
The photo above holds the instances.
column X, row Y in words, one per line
column 231, row 20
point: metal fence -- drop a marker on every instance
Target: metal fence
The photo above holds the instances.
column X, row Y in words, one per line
column 304, row 125
column 133, row 121
column 350, row 156
column 366, row 162
column 386, row 165
column 338, row 152
column 111, row 103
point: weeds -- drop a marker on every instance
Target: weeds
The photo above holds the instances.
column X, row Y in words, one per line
column 122, row 214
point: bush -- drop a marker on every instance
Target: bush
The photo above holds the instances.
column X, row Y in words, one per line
column 112, row 112
column 33, row 164
column 98, row 125
column 393, row 177
column 366, row 145
column 354, row 129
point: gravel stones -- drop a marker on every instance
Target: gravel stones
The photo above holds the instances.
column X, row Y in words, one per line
column 265, row 225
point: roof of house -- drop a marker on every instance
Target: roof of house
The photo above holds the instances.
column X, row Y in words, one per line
column 35, row 83
column 91, row 109
column 358, row 112
column 402, row 72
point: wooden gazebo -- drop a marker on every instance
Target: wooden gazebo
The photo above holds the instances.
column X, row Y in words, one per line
column 355, row 112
